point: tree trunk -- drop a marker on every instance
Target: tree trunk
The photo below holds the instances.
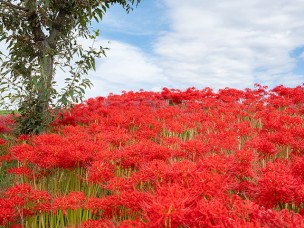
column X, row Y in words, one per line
column 43, row 98
column 35, row 113
column 46, row 63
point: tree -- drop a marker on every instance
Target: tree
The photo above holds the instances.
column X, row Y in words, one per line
column 41, row 36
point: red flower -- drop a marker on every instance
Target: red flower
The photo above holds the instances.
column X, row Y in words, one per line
column 102, row 223
column 278, row 186
column 100, row 172
column 73, row 201
column 212, row 213
column 7, row 211
column 6, row 123
column 132, row 224
column 25, row 171
column 263, row 145
column 2, row 142
column 170, row 206
column 106, row 207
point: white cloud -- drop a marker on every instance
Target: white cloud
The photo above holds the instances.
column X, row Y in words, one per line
column 125, row 68
column 223, row 43
column 210, row 43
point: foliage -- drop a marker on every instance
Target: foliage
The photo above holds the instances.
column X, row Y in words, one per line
column 42, row 36
column 6, row 112
column 191, row 158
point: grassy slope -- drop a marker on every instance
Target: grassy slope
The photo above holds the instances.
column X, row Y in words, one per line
column 5, row 112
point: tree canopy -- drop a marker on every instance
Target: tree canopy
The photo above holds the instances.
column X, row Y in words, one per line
column 42, row 36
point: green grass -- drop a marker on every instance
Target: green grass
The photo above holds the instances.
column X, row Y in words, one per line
column 6, row 112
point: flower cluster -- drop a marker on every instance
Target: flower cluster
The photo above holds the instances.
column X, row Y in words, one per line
column 194, row 158
column 6, row 123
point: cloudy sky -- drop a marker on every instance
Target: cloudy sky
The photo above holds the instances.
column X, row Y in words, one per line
column 201, row 43
column 218, row 43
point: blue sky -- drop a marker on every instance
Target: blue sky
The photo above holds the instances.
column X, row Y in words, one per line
column 298, row 55
column 141, row 27
column 200, row 43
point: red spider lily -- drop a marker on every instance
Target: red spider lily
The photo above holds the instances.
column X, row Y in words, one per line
column 297, row 168
column 223, row 141
column 193, row 158
column 6, row 123
column 244, row 170
column 16, row 226
column 106, row 207
column 24, row 171
column 73, row 201
column 248, row 214
column 211, row 213
column 41, row 154
column 271, row 218
column 118, row 184
column 230, row 95
column 7, row 211
column 41, row 200
column 216, row 164
column 173, row 96
column 2, row 142
column 153, row 172
column 115, row 137
column 124, row 204
column 243, row 163
column 136, row 154
column 23, row 138
column 100, row 172
column 184, row 172
column 194, row 149
column 18, row 194
column 55, row 151
column 132, row 224
column 134, row 200
column 102, row 223
column 263, row 145
column 6, row 158
column 98, row 205
column 278, row 186
column 170, row 206
column 25, row 201
column 242, row 129
column 173, row 143
column 282, row 96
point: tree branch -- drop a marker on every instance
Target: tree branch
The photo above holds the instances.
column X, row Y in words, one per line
column 55, row 28
column 59, row 24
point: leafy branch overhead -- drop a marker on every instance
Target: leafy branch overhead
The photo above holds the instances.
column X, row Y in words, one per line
column 41, row 36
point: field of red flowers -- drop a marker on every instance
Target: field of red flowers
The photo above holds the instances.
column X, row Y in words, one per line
column 194, row 158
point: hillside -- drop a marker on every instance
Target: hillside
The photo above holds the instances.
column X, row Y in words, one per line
column 194, row 158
